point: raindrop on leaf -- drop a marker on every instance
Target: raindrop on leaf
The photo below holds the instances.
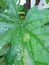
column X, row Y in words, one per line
column 5, row 10
column 12, row 64
column 18, row 56
column 0, row 47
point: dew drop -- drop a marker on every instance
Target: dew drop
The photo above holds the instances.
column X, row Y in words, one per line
column 26, row 37
column 18, row 56
column 5, row 10
column 0, row 47
column 12, row 64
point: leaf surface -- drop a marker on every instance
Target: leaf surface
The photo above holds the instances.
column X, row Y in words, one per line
column 29, row 39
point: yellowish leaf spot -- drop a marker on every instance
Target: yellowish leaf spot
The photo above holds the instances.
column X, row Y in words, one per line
column 26, row 37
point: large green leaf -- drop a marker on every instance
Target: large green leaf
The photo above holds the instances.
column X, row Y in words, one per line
column 29, row 39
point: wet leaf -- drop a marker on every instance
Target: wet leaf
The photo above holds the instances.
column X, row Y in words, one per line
column 29, row 39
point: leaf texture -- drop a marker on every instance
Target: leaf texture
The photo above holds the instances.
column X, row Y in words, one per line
column 29, row 39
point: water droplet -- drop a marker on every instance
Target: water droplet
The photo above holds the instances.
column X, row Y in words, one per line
column 18, row 56
column 5, row 10
column 12, row 64
column 0, row 47
column 26, row 37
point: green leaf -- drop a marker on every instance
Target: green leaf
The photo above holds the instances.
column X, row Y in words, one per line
column 38, row 45
column 38, row 17
column 5, row 38
column 5, row 27
column 29, row 40
column 47, row 1
column 15, row 53
column 11, row 4
column 7, row 17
